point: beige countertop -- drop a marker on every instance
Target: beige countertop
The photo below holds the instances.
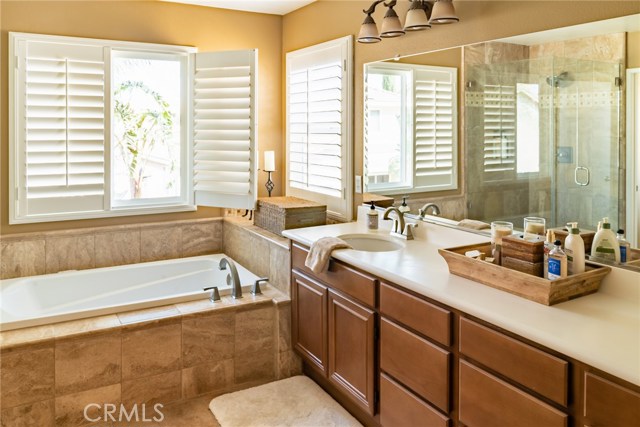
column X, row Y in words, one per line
column 601, row 330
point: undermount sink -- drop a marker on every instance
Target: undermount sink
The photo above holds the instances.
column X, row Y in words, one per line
column 371, row 243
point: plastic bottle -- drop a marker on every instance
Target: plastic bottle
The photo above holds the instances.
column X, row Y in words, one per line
column 548, row 246
column 557, row 263
column 372, row 218
column 624, row 246
column 404, row 208
column 574, row 248
column 605, row 245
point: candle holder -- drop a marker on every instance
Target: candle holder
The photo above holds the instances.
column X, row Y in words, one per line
column 269, row 184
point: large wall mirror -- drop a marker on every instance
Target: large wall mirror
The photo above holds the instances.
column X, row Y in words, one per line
column 532, row 125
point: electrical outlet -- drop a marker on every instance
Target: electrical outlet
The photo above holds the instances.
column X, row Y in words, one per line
column 358, row 184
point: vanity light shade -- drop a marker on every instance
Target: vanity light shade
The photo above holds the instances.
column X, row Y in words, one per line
column 417, row 18
column 443, row 12
column 368, row 31
column 391, row 25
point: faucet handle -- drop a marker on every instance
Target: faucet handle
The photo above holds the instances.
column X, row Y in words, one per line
column 408, row 230
column 215, row 295
column 255, row 290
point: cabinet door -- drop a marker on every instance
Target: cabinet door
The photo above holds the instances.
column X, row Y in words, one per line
column 351, row 350
column 608, row 404
column 309, row 320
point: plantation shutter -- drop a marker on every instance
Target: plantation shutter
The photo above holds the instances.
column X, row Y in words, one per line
column 318, row 84
column 499, row 128
column 225, row 134
column 61, row 127
column 435, row 128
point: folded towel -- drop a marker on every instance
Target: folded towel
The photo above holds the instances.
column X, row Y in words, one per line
column 318, row 258
column 473, row 224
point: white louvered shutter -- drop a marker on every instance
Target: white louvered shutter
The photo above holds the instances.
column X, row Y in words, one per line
column 225, row 134
column 435, row 128
column 318, row 85
column 499, row 128
column 61, row 132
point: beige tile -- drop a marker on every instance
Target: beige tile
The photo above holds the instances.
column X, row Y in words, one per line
column 22, row 258
column 70, row 253
column 83, row 364
column 70, row 409
column 26, row 376
column 254, row 330
column 284, row 327
column 20, row 338
column 163, row 388
column 201, row 238
column 148, row 316
column 280, row 269
column 160, row 243
column 190, row 413
column 289, row 364
column 201, row 307
column 117, row 248
column 86, row 327
column 39, row 414
column 206, row 378
column 208, row 338
column 254, row 367
column 151, row 351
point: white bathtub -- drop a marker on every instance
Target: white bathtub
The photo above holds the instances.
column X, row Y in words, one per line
column 50, row 298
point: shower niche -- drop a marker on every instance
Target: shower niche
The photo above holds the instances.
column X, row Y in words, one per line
column 543, row 132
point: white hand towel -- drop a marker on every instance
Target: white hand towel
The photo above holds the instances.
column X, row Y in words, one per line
column 318, row 258
column 474, row 224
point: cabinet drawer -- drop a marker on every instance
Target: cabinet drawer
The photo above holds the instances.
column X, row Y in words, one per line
column 486, row 401
column 520, row 362
column 421, row 366
column 401, row 408
column 608, row 404
column 418, row 314
column 340, row 277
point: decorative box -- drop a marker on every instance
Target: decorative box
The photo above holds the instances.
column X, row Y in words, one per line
column 284, row 213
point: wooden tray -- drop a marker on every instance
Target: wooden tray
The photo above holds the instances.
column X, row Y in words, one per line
column 524, row 285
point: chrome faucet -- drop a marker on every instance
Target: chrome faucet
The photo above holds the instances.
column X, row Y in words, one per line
column 423, row 211
column 233, row 279
column 399, row 228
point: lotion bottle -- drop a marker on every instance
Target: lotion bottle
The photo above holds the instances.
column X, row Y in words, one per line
column 574, row 248
column 624, row 247
column 605, row 245
column 548, row 246
column 372, row 218
column 557, row 263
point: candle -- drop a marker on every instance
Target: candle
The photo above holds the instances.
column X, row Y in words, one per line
column 269, row 161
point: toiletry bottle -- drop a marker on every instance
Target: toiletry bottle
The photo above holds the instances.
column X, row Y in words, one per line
column 605, row 245
column 548, row 246
column 624, row 247
column 557, row 263
column 372, row 218
column 404, row 208
column 574, row 249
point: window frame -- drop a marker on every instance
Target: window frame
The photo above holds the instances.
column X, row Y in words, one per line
column 109, row 211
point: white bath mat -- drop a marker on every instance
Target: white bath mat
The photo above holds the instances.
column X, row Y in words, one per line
column 294, row 402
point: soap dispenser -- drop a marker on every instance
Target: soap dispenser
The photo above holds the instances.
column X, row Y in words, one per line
column 372, row 218
column 404, row 208
column 574, row 248
column 605, row 245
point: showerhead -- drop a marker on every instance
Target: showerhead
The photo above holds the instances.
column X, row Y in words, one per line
column 560, row 80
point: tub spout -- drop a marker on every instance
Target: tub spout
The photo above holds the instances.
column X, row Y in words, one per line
column 233, row 279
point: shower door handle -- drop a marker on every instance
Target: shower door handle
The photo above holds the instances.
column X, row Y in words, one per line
column 582, row 182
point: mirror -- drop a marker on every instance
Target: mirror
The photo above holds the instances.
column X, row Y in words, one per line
column 541, row 121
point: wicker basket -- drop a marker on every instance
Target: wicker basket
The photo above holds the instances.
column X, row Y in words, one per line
column 284, row 213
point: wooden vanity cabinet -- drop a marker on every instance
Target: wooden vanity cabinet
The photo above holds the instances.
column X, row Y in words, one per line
column 607, row 404
column 309, row 326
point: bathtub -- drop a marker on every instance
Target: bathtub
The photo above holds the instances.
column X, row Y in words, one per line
column 68, row 295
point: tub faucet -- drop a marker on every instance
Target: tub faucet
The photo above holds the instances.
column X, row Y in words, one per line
column 233, row 279
column 423, row 211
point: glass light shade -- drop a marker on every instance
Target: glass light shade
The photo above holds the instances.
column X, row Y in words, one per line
column 443, row 12
column 417, row 19
column 391, row 25
column 368, row 31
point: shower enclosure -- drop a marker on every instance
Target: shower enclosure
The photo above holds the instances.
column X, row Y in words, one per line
column 543, row 138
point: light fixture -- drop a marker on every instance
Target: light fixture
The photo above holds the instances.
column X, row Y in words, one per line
column 391, row 25
column 368, row 30
column 418, row 16
column 443, row 12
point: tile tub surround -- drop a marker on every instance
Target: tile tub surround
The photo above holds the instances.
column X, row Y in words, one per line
column 165, row 355
column 32, row 254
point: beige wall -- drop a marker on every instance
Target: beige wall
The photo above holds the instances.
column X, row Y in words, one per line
column 633, row 50
column 479, row 21
column 153, row 22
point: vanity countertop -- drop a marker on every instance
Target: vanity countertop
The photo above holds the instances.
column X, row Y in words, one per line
column 601, row 329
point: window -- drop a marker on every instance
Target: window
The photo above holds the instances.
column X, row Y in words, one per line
column 410, row 128
column 103, row 128
column 528, row 126
column 319, row 125
column 499, row 130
